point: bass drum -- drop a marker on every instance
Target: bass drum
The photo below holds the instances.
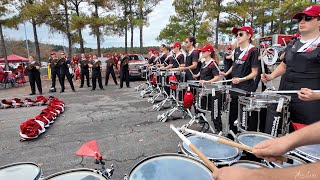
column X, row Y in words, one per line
column 74, row 174
column 170, row 167
column 21, row 171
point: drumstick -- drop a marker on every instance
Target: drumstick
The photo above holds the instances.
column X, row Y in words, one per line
column 179, row 65
column 230, row 143
column 229, row 80
column 288, row 92
column 284, row 42
column 211, row 166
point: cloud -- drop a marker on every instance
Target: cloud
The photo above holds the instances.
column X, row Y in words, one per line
column 157, row 21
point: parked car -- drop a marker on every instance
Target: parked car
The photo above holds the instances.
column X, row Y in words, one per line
column 135, row 61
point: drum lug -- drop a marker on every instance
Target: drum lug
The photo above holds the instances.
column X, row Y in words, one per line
column 125, row 177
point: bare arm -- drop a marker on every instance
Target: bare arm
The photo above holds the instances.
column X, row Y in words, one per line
column 214, row 79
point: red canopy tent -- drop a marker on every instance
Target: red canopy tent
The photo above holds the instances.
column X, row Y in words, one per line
column 13, row 58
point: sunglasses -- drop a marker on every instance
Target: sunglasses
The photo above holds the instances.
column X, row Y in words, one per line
column 239, row 34
column 229, row 49
column 261, row 46
column 306, row 18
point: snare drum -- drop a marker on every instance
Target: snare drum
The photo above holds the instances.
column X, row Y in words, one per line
column 181, row 90
column 170, row 166
column 310, row 153
column 82, row 173
column 161, row 75
column 296, row 162
column 218, row 153
column 210, row 98
column 259, row 113
column 249, row 164
column 21, row 171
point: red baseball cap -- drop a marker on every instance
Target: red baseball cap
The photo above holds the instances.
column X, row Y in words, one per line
column 150, row 49
column 229, row 47
column 108, row 55
column 244, row 28
column 156, row 52
column 176, row 44
column 207, row 47
column 313, row 11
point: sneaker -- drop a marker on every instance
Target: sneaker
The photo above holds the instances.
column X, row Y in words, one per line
column 92, row 89
column 128, row 87
column 89, row 86
column 32, row 94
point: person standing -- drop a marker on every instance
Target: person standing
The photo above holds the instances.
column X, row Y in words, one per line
column 245, row 65
column 191, row 66
column 64, row 72
column 301, row 67
column 84, row 65
column 228, row 61
column 55, row 71
column 96, row 72
column 151, row 56
column 34, row 75
column 110, row 69
column 124, row 71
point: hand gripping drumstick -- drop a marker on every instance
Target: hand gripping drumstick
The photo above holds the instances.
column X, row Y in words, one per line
column 179, row 65
column 231, row 143
column 211, row 166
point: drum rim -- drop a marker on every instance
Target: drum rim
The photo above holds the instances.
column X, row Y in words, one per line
column 273, row 164
column 73, row 170
column 252, row 162
column 210, row 158
column 21, row 163
column 252, row 133
column 307, row 154
column 167, row 154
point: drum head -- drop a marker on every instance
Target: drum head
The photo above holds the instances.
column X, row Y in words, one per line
column 310, row 150
column 20, row 171
column 74, row 174
column 249, row 164
column 170, row 166
column 211, row 149
column 296, row 162
column 252, row 138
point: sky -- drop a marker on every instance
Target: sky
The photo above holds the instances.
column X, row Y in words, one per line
column 158, row 19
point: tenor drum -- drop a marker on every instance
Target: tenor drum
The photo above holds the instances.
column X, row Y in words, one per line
column 309, row 153
column 218, row 153
column 296, row 162
column 170, row 166
column 21, row 171
column 161, row 76
column 73, row 174
column 249, row 164
column 181, row 90
column 252, row 138
column 259, row 113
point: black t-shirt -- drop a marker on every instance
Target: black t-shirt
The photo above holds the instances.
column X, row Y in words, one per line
column 193, row 57
column 180, row 58
column 242, row 67
column 64, row 66
column 95, row 68
column 297, row 45
column 172, row 60
column 83, row 67
column 227, row 62
column 163, row 58
column 53, row 62
column 208, row 72
column 34, row 69
column 151, row 60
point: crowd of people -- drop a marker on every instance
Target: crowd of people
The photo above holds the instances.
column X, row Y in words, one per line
column 79, row 69
column 300, row 71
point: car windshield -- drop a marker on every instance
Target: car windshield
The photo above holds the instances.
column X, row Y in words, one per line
column 136, row 57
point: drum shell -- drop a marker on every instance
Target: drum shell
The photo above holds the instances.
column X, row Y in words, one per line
column 176, row 170
column 263, row 107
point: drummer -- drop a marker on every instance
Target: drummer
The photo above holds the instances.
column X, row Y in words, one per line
column 170, row 62
column 277, row 147
column 245, row 65
column 301, row 67
column 209, row 73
